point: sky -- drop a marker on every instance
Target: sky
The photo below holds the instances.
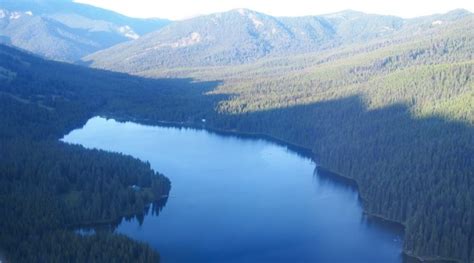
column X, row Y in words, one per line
column 183, row 9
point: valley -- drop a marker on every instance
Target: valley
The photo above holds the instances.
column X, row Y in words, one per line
column 384, row 101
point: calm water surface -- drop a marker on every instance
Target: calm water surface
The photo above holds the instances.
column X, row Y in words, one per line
column 242, row 200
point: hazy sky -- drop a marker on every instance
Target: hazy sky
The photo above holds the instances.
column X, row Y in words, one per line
column 181, row 9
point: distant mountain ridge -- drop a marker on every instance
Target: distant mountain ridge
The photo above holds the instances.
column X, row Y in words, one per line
column 65, row 30
column 383, row 100
column 241, row 35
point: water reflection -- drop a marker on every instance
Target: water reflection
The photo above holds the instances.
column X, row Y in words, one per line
column 151, row 210
column 242, row 199
column 326, row 177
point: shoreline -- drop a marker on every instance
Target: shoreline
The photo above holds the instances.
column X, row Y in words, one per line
column 116, row 221
column 299, row 149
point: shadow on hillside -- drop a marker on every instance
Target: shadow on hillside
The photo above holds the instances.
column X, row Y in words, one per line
column 55, row 97
column 410, row 170
column 418, row 171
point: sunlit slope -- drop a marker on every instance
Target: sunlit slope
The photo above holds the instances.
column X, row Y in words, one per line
column 431, row 73
column 395, row 114
column 244, row 36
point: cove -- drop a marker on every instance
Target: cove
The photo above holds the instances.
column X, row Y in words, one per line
column 240, row 199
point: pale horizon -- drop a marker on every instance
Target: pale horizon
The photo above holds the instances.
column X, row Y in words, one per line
column 184, row 9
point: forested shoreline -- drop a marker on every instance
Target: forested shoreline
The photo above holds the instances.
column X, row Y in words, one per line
column 301, row 149
column 217, row 124
column 47, row 187
column 397, row 118
column 395, row 114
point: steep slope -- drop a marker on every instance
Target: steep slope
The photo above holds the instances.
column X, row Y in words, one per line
column 396, row 114
column 234, row 37
column 64, row 30
column 52, row 39
column 74, row 14
column 49, row 188
column 243, row 36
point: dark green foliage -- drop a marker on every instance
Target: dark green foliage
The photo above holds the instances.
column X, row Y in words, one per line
column 395, row 114
column 65, row 246
column 415, row 171
column 48, row 188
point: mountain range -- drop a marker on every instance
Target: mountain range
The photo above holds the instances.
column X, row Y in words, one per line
column 384, row 101
column 65, row 30
column 242, row 36
column 371, row 95
column 73, row 32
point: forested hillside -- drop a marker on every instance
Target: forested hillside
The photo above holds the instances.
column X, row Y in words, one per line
column 48, row 188
column 244, row 36
column 395, row 114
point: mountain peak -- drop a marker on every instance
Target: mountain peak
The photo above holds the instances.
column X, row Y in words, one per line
column 460, row 12
column 347, row 13
column 243, row 11
column 242, row 35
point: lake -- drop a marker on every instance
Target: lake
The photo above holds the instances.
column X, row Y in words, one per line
column 240, row 199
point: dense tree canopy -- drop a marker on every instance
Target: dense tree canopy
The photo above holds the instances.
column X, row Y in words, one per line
column 48, row 188
column 395, row 115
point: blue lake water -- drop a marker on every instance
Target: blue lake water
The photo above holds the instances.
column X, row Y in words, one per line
column 236, row 199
